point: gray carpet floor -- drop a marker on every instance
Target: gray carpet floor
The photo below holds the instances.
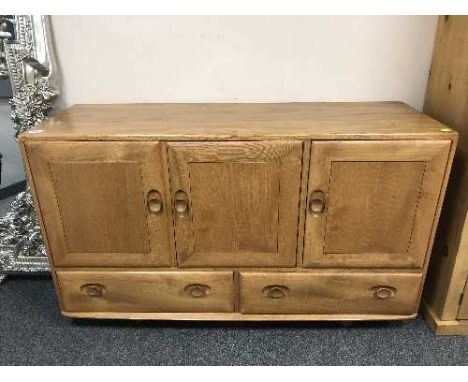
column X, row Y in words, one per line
column 32, row 332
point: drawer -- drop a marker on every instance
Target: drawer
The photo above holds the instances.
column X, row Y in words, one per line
column 145, row 291
column 327, row 292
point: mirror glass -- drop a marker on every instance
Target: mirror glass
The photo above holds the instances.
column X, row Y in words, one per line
column 12, row 178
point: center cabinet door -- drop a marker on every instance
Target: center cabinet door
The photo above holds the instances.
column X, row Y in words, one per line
column 103, row 203
column 372, row 204
column 236, row 203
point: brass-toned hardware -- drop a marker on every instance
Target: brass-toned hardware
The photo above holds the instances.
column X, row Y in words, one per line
column 383, row 292
column 93, row 290
column 181, row 203
column 197, row 290
column 317, row 202
column 275, row 291
column 154, row 202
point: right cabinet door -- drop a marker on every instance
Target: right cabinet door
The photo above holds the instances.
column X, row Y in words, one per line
column 372, row 203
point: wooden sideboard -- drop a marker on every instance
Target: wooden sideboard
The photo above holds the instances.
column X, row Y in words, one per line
column 299, row 211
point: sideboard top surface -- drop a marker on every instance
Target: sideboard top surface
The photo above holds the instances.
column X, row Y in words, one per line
column 241, row 121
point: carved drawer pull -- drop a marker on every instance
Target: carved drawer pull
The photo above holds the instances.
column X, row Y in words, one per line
column 197, row 290
column 275, row 291
column 317, row 202
column 154, row 202
column 181, row 203
column 93, row 290
column 383, row 292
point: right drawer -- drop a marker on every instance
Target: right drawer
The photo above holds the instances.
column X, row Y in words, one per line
column 330, row 292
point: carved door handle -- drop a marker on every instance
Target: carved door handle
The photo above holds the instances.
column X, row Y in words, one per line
column 275, row 291
column 154, row 202
column 197, row 290
column 383, row 292
column 317, row 202
column 181, row 203
column 93, row 290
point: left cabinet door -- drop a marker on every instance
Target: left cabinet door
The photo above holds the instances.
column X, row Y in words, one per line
column 103, row 203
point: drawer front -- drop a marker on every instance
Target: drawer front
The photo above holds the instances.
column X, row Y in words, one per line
column 323, row 292
column 145, row 291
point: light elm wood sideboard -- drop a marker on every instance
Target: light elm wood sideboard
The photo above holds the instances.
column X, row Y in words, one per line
column 299, row 211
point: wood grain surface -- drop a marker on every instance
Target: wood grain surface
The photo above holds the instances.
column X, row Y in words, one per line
column 346, row 120
column 381, row 201
column 300, row 211
column 146, row 291
column 93, row 202
column 243, row 202
column 447, row 101
column 329, row 292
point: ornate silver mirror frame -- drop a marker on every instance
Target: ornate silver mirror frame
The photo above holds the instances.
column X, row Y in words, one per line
column 27, row 58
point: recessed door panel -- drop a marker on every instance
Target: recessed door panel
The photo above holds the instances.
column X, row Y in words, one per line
column 103, row 203
column 377, row 202
column 371, row 206
column 236, row 203
column 99, row 227
column 236, row 206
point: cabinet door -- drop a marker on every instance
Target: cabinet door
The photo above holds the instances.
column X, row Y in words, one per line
column 236, row 203
column 103, row 203
column 372, row 204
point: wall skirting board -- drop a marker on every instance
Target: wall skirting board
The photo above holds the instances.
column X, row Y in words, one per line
column 12, row 189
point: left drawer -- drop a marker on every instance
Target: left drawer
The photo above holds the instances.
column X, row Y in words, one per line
column 146, row 291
